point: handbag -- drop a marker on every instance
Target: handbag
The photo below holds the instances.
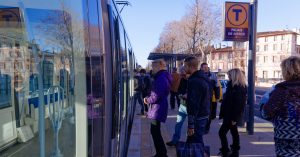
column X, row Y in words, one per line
column 185, row 149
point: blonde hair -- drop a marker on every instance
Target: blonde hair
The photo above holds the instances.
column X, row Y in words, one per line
column 237, row 77
column 161, row 63
column 291, row 68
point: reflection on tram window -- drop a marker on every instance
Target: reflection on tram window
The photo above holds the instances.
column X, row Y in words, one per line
column 38, row 53
column 5, row 91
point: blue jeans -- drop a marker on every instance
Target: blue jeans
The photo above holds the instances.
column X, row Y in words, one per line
column 199, row 129
column 182, row 113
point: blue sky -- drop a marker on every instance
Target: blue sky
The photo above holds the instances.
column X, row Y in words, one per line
column 145, row 19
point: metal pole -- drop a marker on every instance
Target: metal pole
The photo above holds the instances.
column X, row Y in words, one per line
column 39, row 65
column 251, row 65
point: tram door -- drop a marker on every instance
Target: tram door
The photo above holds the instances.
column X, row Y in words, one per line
column 7, row 113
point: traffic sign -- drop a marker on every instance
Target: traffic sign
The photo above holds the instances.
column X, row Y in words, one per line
column 236, row 21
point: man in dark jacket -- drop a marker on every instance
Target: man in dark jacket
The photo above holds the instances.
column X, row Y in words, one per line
column 198, row 101
column 215, row 92
column 138, row 91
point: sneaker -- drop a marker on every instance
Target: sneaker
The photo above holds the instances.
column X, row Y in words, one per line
column 171, row 143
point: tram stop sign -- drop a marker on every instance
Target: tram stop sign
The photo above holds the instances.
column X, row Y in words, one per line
column 236, row 21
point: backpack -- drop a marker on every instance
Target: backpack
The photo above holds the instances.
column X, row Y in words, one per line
column 145, row 84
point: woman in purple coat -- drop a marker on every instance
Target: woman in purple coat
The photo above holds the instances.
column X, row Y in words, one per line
column 158, row 104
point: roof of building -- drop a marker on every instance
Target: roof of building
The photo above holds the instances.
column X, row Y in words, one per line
column 167, row 56
column 226, row 49
column 273, row 33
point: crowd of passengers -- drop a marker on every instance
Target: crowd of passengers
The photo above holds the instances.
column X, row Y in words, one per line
column 197, row 92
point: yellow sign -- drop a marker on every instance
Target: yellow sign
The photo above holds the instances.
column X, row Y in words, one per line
column 236, row 21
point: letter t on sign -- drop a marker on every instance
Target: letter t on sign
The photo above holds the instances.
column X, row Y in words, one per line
column 237, row 11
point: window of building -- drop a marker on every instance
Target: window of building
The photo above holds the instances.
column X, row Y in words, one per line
column 275, row 47
column 242, row 63
column 265, row 59
column 275, row 38
column 235, row 63
column 257, row 59
column 265, row 74
column 221, row 66
column 2, row 65
column 282, row 57
column 277, row 74
column 266, row 39
column 214, row 66
column 266, row 48
column 281, row 47
column 229, row 65
column 229, row 55
column 275, row 59
column 257, row 48
column 220, row 56
column 282, row 37
column 242, row 54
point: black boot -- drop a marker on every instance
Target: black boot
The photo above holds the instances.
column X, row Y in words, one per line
column 235, row 151
column 224, row 152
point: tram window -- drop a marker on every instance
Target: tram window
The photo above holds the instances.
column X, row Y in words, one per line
column 48, row 74
column 5, row 91
column 95, row 80
column 116, row 75
column 124, row 72
column 33, row 83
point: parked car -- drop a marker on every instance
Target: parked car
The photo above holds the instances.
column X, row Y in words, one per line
column 263, row 101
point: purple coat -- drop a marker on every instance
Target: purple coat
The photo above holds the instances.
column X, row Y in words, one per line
column 158, row 99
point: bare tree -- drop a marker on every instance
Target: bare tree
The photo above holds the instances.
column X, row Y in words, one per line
column 195, row 32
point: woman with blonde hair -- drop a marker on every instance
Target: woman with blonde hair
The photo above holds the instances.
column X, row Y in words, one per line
column 232, row 110
column 283, row 108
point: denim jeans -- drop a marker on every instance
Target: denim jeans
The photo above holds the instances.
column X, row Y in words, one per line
column 199, row 131
column 182, row 113
column 138, row 97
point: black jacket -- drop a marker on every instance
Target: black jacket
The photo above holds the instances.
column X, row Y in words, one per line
column 182, row 89
column 198, row 97
column 234, row 102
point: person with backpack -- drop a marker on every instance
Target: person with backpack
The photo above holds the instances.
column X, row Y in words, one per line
column 283, row 108
column 138, row 91
column 145, row 85
column 198, row 101
column 231, row 112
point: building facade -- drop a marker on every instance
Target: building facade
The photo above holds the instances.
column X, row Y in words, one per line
column 223, row 59
column 272, row 48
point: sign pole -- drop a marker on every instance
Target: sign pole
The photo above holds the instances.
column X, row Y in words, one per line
column 251, row 65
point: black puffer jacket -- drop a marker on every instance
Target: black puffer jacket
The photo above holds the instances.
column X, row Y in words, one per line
column 233, row 103
column 198, row 97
